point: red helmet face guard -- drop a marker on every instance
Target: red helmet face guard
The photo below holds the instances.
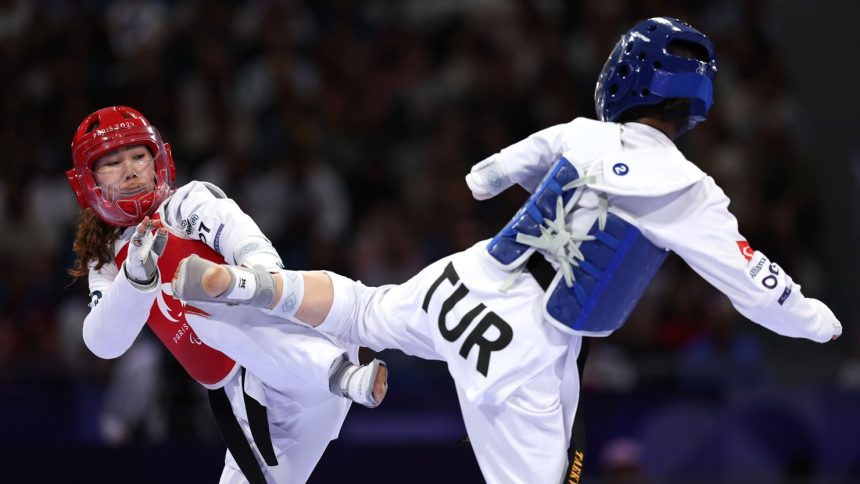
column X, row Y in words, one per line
column 105, row 131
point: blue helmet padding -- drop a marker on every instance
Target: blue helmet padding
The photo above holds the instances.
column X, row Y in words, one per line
column 640, row 71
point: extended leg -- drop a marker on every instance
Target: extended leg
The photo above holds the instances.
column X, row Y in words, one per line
column 197, row 279
column 305, row 296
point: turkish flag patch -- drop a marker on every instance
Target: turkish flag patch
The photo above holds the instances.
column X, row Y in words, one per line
column 745, row 249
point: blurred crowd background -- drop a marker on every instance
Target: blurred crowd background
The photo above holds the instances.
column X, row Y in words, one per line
column 345, row 129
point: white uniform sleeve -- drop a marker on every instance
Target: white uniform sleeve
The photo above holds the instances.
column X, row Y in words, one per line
column 525, row 163
column 201, row 210
column 696, row 224
column 118, row 312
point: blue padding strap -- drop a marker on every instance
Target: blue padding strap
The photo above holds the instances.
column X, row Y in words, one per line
column 606, row 288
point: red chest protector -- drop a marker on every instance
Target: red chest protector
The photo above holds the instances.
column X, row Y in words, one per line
column 167, row 320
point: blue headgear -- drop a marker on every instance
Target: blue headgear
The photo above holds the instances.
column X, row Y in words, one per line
column 641, row 71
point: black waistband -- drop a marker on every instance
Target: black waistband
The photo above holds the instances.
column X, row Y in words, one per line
column 543, row 272
column 235, row 439
column 540, row 269
column 576, row 451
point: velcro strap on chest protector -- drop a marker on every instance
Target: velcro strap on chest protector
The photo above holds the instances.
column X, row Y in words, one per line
column 541, row 205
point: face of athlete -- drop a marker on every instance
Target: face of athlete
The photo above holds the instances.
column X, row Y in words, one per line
column 125, row 172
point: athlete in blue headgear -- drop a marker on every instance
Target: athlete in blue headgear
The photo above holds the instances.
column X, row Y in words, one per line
column 511, row 316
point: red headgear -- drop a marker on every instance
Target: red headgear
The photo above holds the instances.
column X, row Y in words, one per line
column 107, row 130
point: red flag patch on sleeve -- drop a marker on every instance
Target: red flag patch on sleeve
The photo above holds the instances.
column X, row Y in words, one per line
column 745, row 249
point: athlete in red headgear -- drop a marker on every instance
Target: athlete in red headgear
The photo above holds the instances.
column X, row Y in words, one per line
column 135, row 227
column 102, row 143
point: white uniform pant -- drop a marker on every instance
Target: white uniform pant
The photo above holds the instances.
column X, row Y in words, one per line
column 287, row 372
column 526, row 438
column 519, row 400
column 300, row 435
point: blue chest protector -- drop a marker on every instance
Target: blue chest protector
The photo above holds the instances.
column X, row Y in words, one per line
column 610, row 269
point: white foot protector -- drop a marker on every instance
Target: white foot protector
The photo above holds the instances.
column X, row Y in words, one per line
column 357, row 382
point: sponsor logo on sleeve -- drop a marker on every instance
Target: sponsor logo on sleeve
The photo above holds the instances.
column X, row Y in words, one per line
column 745, row 249
column 95, row 297
column 620, row 169
column 188, row 224
column 785, row 294
column 758, row 267
column 769, row 275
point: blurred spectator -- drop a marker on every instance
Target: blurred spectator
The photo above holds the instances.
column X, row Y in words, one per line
column 345, row 129
column 621, row 461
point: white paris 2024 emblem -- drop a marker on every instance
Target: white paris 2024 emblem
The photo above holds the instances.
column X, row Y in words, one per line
column 166, row 288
